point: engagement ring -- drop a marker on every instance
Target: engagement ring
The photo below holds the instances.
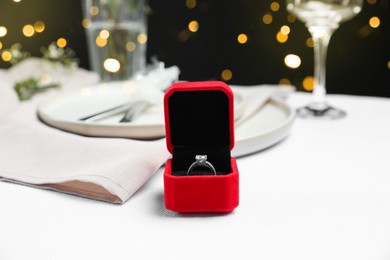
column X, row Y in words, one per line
column 201, row 160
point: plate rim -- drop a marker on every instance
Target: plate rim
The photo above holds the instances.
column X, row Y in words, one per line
column 285, row 127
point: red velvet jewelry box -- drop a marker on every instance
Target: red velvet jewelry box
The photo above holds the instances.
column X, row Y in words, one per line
column 199, row 120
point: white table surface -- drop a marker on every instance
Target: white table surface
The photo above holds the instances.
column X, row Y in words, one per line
column 322, row 193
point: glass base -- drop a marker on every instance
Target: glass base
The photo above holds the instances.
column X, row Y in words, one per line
column 326, row 112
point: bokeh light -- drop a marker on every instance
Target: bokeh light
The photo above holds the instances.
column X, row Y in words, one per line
column 282, row 35
column 112, row 65
column 285, row 36
column 291, row 18
column 142, row 38
column 242, row 38
column 193, row 26
column 61, row 42
column 104, row 34
column 292, row 61
column 39, row 26
column 275, row 6
column 267, row 19
column 130, row 46
column 86, row 23
column 28, row 30
column 284, row 81
column 308, row 83
column 374, row 22
column 285, row 29
column 6, row 56
column 3, row 31
column 281, row 38
column 226, row 75
column 100, row 42
column 191, row 4
column 184, row 35
column 94, row 10
column 310, row 42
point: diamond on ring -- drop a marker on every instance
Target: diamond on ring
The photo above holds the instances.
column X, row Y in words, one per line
column 201, row 160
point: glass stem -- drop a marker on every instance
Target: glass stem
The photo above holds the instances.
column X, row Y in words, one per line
column 321, row 41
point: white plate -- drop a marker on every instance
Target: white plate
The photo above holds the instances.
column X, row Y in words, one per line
column 65, row 110
column 268, row 126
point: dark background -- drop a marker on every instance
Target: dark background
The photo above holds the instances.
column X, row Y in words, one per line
column 358, row 57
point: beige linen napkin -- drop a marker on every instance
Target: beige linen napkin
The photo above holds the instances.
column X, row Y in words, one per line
column 257, row 96
column 32, row 153
column 108, row 169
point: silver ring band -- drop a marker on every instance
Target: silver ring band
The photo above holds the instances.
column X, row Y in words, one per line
column 201, row 160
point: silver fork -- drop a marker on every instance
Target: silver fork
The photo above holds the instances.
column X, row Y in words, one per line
column 135, row 111
column 126, row 108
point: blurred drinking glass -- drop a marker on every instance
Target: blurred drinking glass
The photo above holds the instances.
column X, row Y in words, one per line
column 116, row 35
column 322, row 18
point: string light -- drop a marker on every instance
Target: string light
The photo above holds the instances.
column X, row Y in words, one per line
column 100, row 42
column 242, row 38
column 112, row 65
column 291, row 18
column 193, row 26
column 39, row 26
column 282, row 35
column 284, row 81
column 267, row 19
column 94, row 10
column 275, row 6
column 226, row 74
column 104, row 34
column 28, row 30
column 292, row 61
column 184, row 35
column 374, row 22
column 86, row 23
column 310, row 42
column 308, row 83
column 142, row 38
column 130, row 46
column 281, row 38
column 6, row 56
column 61, row 42
column 3, row 31
column 285, row 29
column 191, row 4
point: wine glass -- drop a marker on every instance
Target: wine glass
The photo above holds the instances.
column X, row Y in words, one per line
column 322, row 18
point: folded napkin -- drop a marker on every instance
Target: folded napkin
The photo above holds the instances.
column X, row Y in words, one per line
column 257, row 96
column 32, row 153
column 108, row 169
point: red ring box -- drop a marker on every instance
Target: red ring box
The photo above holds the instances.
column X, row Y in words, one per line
column 199, row 120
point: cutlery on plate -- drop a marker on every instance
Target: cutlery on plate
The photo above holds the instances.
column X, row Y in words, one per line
column 135, row 111
column 111, row 111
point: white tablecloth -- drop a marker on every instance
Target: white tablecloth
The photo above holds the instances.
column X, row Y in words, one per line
column 322, row 193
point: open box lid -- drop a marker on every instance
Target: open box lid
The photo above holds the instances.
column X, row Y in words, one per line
column 199, row 114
